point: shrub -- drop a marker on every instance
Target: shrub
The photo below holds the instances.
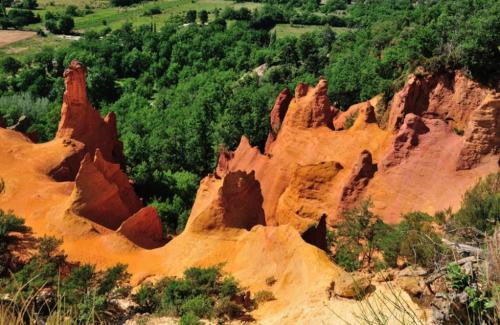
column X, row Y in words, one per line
column 122, row 3
column 420, row 244
column 263, row 296
column 147, row 298
column 225, row 307
column 270, row 281
column 10, row 65
column 65, row 24
column 10, row 223
column 357, row 237
column 201, row 293
column 152, row 11
column 202, row 306
column 480, row 207
column 347, row 256
column 190, row 319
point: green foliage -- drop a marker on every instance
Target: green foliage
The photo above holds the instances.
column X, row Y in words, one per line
column 346, row 256
column 480, row 303
column 201, row 293
column 10, row 65
column 357, row 237
column 17, row 18
column 152, row 11
column 63, row 24
column 480, row 207
column 10, row 223
column 203, row 14
column 72, row 11
column 123, row 3
column 189, row 319
column 83, row 293
column 191, row 16
column 362, row 233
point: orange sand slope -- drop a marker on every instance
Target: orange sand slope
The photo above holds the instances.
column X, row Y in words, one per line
column 256, row 212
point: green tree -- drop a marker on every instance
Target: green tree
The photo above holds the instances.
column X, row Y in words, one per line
column 10, row 65
column 191, row 16
column 65, row 24
column 203, row 15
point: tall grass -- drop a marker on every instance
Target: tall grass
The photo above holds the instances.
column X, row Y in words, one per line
column 18, row 309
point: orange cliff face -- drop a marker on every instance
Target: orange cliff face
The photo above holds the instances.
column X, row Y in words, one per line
column 258, row 210
column 419, row 163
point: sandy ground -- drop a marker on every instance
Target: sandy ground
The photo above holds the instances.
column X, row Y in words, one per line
column 11, row 36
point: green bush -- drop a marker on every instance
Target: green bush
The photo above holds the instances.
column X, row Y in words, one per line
column 356, row 237
column 10, row 223
column 152, row 11
column 202, row 306
column 190, row 319
column 419, row 242
column 201, row 293
column 10, row 65
column 347, row 256
column 480, row 208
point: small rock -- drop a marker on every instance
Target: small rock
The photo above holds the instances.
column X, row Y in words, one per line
column 413, row 285
column 351, row 285
column 384, row 276
column 412, row 271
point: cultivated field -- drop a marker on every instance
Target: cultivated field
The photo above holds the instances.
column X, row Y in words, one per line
column 28, row 46
column 11, row 36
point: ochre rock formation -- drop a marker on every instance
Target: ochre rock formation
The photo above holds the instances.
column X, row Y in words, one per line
column 223, row 161
column 411, row 164
column 236, row 204
column 102, row 192
column 144, row 228
column 303, row 204
column 279, row 111
column 361, row 174
column 406, row 140
column 450, row 96
column 81, row 122
column 482, row 136
column 310, row 108
column 255, row 214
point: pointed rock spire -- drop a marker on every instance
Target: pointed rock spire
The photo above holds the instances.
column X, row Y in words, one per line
column 81, row 122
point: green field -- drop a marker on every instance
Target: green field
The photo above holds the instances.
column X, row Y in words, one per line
column 32, row 45
column 116, row 16
column 284, row 30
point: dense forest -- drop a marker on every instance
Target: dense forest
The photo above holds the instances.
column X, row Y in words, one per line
column 182, row 90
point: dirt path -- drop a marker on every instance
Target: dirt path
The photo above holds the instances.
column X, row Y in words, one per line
column 11, row 36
